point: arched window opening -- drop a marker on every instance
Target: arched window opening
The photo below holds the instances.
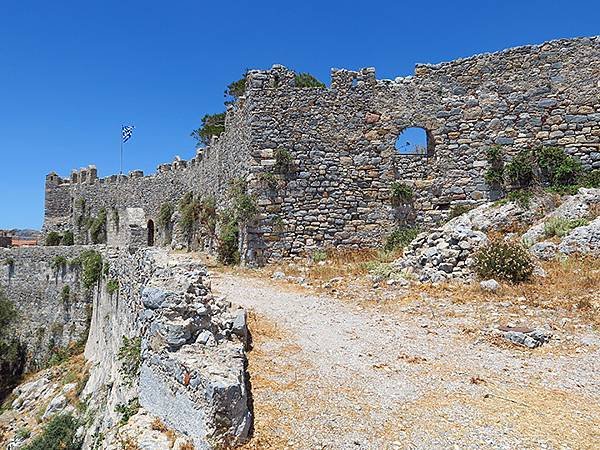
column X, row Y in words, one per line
column 414, row 141
column 150, row 233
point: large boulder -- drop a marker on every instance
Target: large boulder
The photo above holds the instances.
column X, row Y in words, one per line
column 584, row 240
column 574, row 207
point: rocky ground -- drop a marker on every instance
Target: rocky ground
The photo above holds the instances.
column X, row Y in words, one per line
column 427, row 368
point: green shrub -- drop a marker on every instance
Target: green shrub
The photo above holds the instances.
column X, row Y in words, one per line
column 98, row 228
column 8, row 313
column 304, row 80
column 58, row 262
column 208, row 214
column 495, row 173
column 90, row 262
column 400, row 193
column 319, row 255
column 59, row 433
column 130, row 356
column 189, row 207
column 23, row 433
column 590, row 179
column 505, row 260
column 53, row 239
column 112, row 286
column 520, row 170
column 227, row 249
column 244, row 205
column 235, row 89
column 558, row 226
column 459, row 210
column 128, row 410
column 382, row 269
column 68, row 238
column 164, row 215
column 400, row 238
column 268, row 179
column 283, row 160
column 556, row 167
column 521, row 197
column 65, row 294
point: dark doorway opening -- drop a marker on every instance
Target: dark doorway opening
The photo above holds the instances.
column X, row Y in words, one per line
column 150, row 233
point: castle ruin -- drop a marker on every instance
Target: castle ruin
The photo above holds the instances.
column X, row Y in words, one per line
column 341, row 139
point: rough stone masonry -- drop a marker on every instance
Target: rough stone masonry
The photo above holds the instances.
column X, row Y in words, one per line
column 341, row 139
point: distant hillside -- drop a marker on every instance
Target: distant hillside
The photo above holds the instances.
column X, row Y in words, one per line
column 24, row 234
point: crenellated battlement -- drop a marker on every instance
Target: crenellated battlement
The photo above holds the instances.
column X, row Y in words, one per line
column 339, row 141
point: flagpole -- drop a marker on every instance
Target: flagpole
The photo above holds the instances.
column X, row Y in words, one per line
column 121, row 167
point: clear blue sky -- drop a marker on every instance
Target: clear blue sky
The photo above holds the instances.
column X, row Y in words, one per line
column 71, row 72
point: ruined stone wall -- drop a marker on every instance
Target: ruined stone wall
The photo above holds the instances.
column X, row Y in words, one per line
column 84, row 194
column 45, row 319
column 342, row 139
column 192, row 358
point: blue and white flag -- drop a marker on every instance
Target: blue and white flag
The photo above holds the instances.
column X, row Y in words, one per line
column 126, row 132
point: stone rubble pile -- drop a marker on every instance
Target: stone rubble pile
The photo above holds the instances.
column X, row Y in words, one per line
column 583, row 240
column 446, row 252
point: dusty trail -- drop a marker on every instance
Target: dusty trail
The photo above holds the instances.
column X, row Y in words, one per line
column 328, row 373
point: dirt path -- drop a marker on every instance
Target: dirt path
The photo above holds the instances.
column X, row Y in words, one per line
column 328, row 373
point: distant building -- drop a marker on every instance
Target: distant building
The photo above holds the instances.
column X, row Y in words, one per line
column 7, row 239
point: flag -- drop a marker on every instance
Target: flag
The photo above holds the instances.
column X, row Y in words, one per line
column 126, row 132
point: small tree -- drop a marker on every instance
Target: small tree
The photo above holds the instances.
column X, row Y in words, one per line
column 307, row 80
column 212, row 125
column 235, row 90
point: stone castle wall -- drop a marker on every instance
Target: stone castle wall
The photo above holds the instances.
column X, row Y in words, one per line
column 45, row 319
column 341, row 139
column 84, row 194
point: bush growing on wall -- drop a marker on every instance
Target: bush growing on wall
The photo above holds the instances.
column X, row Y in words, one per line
column 244, row 205
column 208, row 214
column 227, row 249
column 12, row 352
column 90, row 262
column 556, row 167
column 495, row 173
column 98, row 228
column 130, row 356
column 519, row 171
column 165, row 214
column 53, row 239
column 549, row 166
column 68, row 238
column 211, row 125
column 400, row 193
column 283, row 160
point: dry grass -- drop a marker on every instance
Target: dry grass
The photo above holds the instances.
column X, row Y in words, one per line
column 534, row 413
column 187, row 446
column 159, row 425
column 570, row 285
column 129, row 443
